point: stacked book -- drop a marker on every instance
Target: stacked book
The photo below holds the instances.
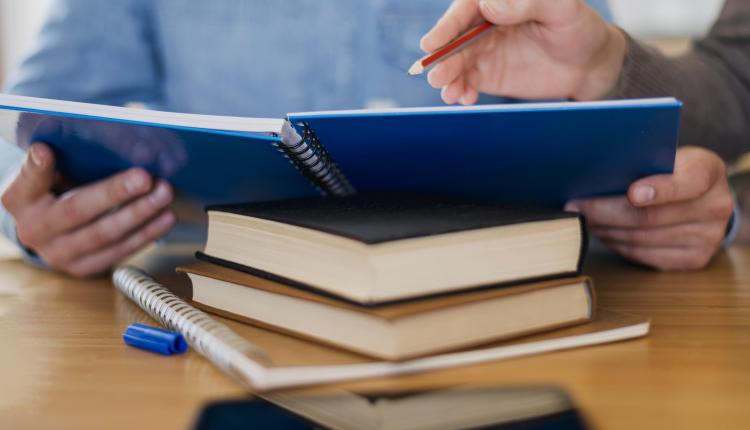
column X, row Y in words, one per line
column 394, row 276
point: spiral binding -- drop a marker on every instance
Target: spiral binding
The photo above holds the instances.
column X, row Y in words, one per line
column 310, row 157
column 211, row 339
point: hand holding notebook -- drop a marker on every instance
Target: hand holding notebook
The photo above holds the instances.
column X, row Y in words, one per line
column 85, row 231
column 538, row 153
column 669, row 222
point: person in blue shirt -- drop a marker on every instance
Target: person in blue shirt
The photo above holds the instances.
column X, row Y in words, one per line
column 225, row 57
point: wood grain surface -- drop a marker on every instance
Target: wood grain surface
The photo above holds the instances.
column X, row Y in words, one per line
column 64, row 364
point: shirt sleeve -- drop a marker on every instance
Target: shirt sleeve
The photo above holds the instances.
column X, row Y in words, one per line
column 93, row 51
column 712, row 81
column 10, row 160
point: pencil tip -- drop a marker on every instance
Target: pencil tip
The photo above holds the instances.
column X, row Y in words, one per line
column 416, row 68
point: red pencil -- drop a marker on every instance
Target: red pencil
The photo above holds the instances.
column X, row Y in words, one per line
column 420, row 65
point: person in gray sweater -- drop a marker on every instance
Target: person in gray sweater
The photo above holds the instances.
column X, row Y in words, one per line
column 563, row 49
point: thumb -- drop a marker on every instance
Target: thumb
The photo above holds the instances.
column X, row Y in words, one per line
column 696, row 172
column 33, row 181
column 513, row 12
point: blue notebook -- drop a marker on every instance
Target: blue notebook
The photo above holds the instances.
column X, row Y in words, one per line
column 542, row 154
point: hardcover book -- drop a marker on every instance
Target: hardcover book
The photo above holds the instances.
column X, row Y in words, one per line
column 375, row 248
column 400, row 330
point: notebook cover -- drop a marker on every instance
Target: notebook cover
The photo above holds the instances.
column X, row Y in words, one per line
column 527, row 153
column 378, row 218
column 205, row 166
column 389, row 311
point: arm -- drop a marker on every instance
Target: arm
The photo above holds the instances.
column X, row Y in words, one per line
column 99, row 52
column 712, row 80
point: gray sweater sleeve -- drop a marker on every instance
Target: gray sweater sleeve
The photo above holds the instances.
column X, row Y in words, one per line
column 712, row 81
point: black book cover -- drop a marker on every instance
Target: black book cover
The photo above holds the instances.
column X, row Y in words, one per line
column 379, row 218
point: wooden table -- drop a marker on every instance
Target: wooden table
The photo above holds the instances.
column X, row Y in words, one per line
column 64, row 365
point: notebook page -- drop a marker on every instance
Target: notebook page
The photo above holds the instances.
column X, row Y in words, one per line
column 211, row 122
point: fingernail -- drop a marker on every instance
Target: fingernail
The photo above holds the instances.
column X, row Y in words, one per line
column 421, row 42
column 492, row 7
column 36, row 156
column 644, row 194
column 136, row 182
column 161, row 196
column 572, row 207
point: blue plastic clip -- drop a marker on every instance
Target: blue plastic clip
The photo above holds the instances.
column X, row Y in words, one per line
column 155, row 339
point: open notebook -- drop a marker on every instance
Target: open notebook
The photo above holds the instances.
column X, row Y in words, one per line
column 537, row 153
column 264, row 360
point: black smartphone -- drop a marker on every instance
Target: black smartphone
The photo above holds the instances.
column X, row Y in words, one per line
column 511, row 408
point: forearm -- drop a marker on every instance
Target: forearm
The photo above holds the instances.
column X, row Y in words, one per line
column 713, row 82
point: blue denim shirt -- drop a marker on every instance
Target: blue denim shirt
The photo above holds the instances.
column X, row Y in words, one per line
column 229, row 57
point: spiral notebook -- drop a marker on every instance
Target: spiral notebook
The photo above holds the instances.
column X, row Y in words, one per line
column 264, row 360
column 529, row 153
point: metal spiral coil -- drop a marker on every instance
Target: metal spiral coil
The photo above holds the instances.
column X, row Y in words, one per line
column 208, row 337
column 310, row 157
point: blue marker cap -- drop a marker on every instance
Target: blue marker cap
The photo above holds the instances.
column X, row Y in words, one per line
column 155, row 339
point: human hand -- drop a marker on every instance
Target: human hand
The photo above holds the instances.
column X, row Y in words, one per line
column 668, row 222
column 539, row 49
column 88, row 229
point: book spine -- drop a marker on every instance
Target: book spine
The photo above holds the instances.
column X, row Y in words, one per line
column 310, row 157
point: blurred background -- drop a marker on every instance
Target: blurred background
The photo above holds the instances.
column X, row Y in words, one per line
column 667, row 23
column 665, row 18
column 19, row 23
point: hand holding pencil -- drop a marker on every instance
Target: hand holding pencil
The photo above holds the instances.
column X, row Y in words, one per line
column 534, row 49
